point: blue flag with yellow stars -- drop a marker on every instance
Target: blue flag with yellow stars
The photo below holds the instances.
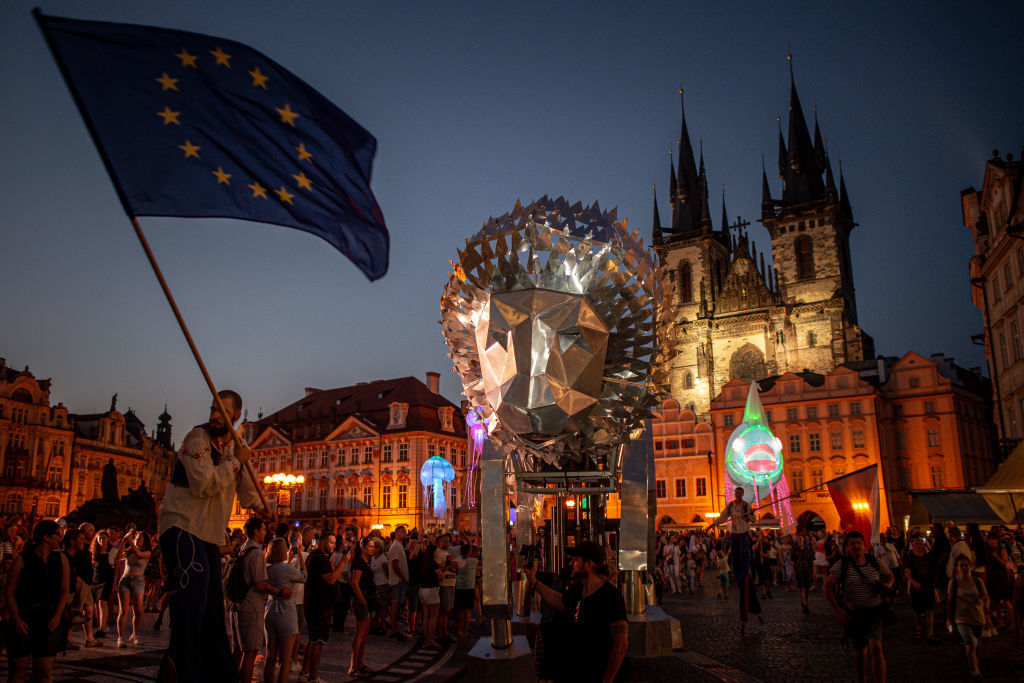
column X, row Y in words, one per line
column 191, row 125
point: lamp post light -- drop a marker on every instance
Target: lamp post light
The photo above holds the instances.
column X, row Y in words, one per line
column 284, row 483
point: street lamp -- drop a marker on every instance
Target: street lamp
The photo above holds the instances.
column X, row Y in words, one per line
column 284, row 482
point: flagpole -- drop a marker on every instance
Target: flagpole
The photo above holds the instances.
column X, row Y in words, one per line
column 195, row 352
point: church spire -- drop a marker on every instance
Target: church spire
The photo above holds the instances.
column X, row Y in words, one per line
column 844, row 197
column 766, row 193
column 702, row 183
column 783, row 154
column 819, row 147
column 725, row 216
column 656, row 228
column 686, row 209
column 802, row 179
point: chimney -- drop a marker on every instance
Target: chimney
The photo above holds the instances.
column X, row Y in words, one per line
column 312, row 390
column 433, row 381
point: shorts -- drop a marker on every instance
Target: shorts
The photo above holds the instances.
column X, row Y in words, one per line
column 413, row 596
column 864, row 625
column 464, row 598
column 247, row 630
column 40, row 641
column 923, row 600
column 723, row 580
column 969, row 633
column 132, row 583
column 281, row 620
column 820, row 560
column 447, row 594
column 430, row 596
column 361, row 610
column 318, row 624
column 398, row 591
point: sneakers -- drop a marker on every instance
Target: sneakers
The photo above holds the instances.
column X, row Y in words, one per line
column 134, row 640
column 120, row 642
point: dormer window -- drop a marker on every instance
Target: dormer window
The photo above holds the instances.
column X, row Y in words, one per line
column 445, row 415
column 397, row 413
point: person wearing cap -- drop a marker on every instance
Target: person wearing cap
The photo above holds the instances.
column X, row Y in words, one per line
column 596, row 619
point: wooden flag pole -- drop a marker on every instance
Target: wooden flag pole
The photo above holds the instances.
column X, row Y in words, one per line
column 195, row 353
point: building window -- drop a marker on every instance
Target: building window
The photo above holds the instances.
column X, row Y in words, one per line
column 901, row 440
column 685, row 282
column 339, row 499
column 431, row 450
column 1008, row 277
column 403, row 453
column 934, row 441
column 816, row 476
column 323, row 498
column 794, row 443
column 687, row 443
column 367, row 496
column 462, row 456
column 814, row 442
column 798, row 480
column 997, row 294
column 680, row 488
column 1015, row 341
column 897, row 410
column 915, row 382
column 833, row 410
column 1002, row 350
column 858, row 438
column 855, row 408
column 385, row 455
column 403, row 496
column 768, row 415
column 454, row 494
column 325, row 460
column 804, row 257
column 367, row 455
column 728, row 419
column 791, row 414
column 341, row 456
column 442, row 450
column 659, row 488
column 838, row 470
column 929, row 407
column 700, row 485
column 811, row 340
column 938, row 479
column 688, row 380
column 837, row 440
column 385, row 497
column 812, row 412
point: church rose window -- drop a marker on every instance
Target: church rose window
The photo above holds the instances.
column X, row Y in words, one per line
column 747, row 364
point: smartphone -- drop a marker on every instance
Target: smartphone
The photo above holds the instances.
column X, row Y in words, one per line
column 295, row 543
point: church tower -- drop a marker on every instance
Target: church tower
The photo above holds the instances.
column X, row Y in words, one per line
column 163, row 430
column 810, row 228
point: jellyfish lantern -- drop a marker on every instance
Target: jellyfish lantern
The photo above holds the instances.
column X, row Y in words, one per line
column 435, row 471
column 479, row 427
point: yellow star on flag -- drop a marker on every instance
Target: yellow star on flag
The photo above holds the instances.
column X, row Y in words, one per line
column 287, row 115
column 285, row 195
column 221, row 57
column 190, row 149
column 258, row 79
column 222, row 177
column 168, row 82
column 169, row 116
column 304, row 182
column 258, row 190
column 186, row 58
column 303, row 154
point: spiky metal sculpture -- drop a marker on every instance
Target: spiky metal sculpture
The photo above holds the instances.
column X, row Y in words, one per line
column 553, row 315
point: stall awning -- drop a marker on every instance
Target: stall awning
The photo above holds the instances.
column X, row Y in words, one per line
column 956, row 506
column 1004, row 492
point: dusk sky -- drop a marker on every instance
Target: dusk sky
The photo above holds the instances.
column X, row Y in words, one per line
column 473, row 106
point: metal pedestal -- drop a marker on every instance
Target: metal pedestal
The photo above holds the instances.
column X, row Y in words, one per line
column 513, row 664
column 653, row 633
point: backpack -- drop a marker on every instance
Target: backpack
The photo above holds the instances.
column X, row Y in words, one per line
column 235, row 585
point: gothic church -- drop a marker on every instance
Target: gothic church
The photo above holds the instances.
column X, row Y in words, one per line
column 737, row 318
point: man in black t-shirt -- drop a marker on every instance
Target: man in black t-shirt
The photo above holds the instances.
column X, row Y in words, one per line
column 596, row 617
column 319, row 602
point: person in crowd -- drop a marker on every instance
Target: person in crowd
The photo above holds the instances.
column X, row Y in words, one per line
column 966, row 609
column 786, row 562
column 398, row 582
column 132, row 585
column 248, row 633
column 413, row 550
column 382, row 589
column 195, row 509
column 723, row 574
column 431, row 574
column 998, row 580
column 700, row 556
column 11, row 543
column 596, row 617
column 321, row 577
column 859, row 577
column 82, row 603
column 280, row 614
column 942, row 549
column 102, row 581
column 739, row 515
column 364, row 595
column 959, row 546
column 446, row 589
column 803, row 568
column 38, row 590
column 919, row 568
column 820, row 559
column 766, row 568
column 342, row 555
column 298, row 543
column 465, row 585
column 673, row 564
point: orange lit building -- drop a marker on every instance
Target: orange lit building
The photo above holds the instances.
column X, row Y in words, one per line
column 685, row 478
column 360, row 450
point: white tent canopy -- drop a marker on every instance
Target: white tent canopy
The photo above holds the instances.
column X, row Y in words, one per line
column 1004, row 492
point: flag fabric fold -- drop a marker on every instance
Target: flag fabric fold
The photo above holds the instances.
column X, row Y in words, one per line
column 857, row 501
column 191, row 125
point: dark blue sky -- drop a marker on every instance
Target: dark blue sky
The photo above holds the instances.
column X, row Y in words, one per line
column 475, row 105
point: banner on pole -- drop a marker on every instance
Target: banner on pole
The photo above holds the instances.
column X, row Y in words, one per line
column 857, row 500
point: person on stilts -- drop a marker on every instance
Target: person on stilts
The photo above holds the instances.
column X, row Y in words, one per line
column 739, row 514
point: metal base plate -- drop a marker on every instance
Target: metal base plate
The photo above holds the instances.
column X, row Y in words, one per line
column 511, row 665
column 653, row 633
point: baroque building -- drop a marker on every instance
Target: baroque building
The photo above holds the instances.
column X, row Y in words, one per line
column 738, row 317
column 995, row 216
column 359, row 450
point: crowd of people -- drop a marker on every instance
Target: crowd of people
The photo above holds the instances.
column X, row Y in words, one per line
column 968, row 580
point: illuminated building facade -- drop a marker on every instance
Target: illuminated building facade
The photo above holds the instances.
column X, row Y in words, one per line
column 360, row 450
column 995, row 217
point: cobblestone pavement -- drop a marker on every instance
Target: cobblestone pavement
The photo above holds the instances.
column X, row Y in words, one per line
column 792, row 646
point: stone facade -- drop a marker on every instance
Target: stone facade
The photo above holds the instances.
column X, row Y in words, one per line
column 995, row 217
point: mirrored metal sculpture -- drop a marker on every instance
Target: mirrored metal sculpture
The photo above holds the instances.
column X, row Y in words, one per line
column 554, row 321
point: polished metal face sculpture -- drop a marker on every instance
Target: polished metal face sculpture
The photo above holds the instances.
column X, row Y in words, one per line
column 553, row 318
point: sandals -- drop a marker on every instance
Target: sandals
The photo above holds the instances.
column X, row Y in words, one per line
column 361, row 672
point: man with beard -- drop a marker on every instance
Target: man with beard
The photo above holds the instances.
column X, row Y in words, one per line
column 206, row 476
column 596, row 617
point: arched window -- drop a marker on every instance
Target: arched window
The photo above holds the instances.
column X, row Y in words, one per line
column 685, row 282
column 688, row 380
column 804, row 257
column 811, row 340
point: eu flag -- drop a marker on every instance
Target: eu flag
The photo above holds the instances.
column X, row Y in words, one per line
column 191, row 125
